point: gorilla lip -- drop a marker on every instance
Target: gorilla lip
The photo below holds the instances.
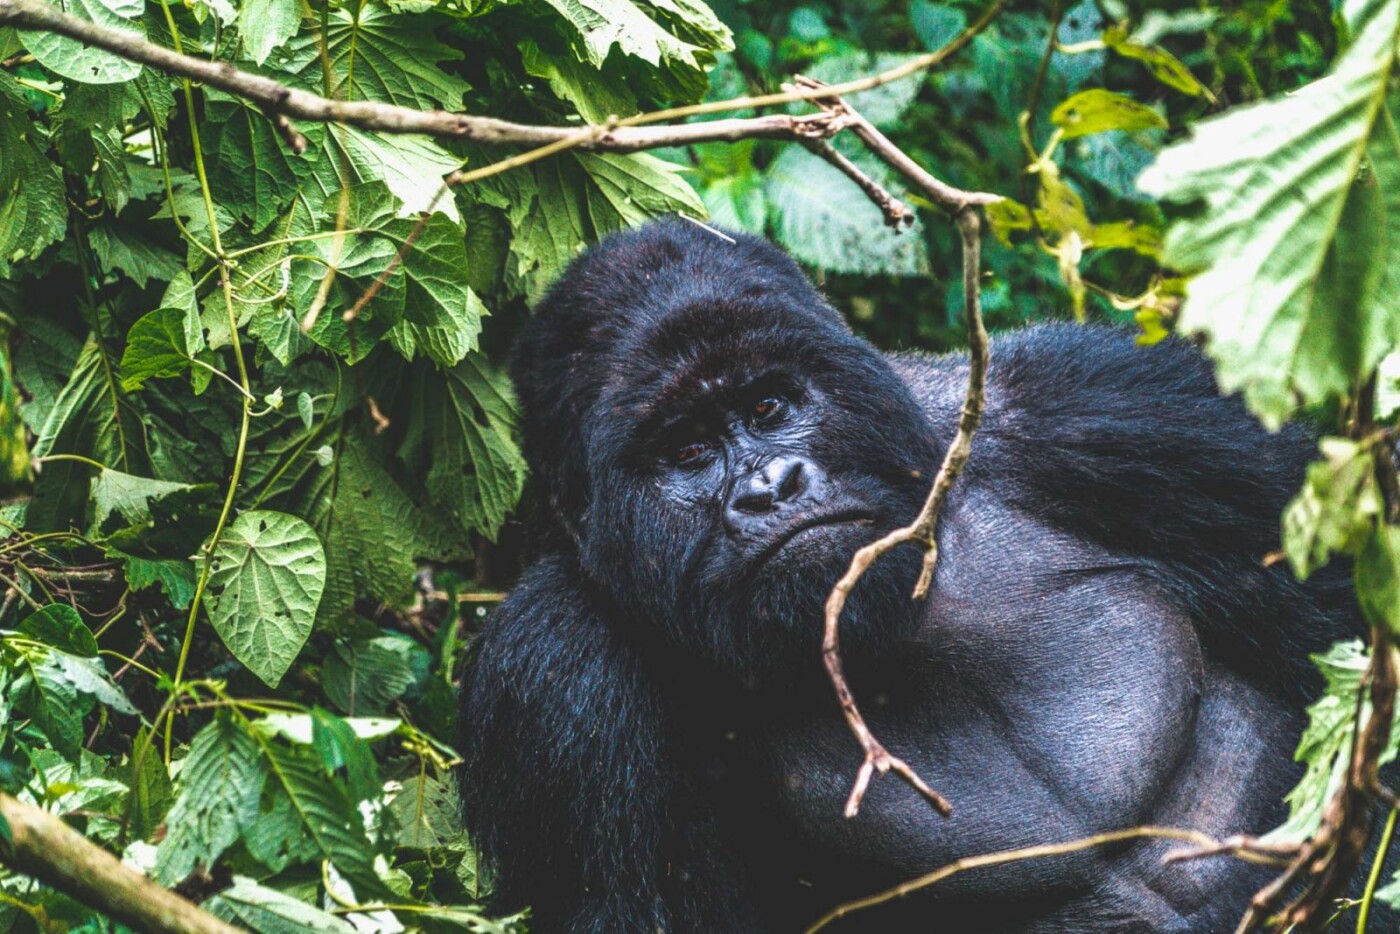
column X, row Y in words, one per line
column 787, row 534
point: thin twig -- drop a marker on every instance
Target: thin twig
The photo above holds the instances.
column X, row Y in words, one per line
column 897, row 214
column 921, row 531
column 1013, row 856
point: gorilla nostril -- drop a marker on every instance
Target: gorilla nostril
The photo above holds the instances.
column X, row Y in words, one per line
column 792, row 479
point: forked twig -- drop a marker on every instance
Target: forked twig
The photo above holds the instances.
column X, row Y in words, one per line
column 920, row 532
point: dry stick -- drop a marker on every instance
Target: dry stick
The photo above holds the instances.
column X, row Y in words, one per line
column 1014, row 856
column 921, row 532
column 283, row 103
column 43, row 846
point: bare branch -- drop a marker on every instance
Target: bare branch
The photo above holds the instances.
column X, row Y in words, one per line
column 921, row 531
column 43, row 846
column 283, row 104
column 1203, row 840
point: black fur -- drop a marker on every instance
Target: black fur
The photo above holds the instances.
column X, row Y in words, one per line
column 649, row 741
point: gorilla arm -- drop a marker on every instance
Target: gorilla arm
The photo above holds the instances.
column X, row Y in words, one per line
column 570, row 791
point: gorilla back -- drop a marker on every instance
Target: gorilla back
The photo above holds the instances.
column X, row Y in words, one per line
column 649, row 740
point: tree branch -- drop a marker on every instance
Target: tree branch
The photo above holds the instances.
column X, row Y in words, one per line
column 43, row 846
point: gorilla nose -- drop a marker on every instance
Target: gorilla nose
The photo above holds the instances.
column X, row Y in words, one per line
column 780, row 480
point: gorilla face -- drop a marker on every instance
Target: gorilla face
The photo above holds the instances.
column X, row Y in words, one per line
column 728, row 475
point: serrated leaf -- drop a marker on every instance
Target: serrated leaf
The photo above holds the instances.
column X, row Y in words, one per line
column 253, row 169
column 464, row 433
column 1098, row 110
column 1336, row 508
column 1326, row 743
column 1378, row 578
column 332, row 823
column 267, row 25
column 83, row 62
column 175, row 577
column 601, row 24
column 395, row 59
column 268, row 911
column 340, row 747
column 59, row 626
column 373, row 532
column 151, row 791
column 155, row 348
column 427, row 813
column 265, row 581
column 628, row 190
column 412, row 166
column 53, row 703
column 32, row 211
column 364, row 676
column 127, row 495
column 595, row 95
column 1294, row 238
column 826, row 221
column 221, row 781
column 90, row 677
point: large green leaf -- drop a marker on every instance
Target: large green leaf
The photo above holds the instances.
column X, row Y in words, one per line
column 1336, row 509
column 83, row 62
column 825, row 220
column 253, row 169
column 427, row 813
column 1294, row 236
column 33, row 211
column 364, row 676
column 394, row 59
column 411, row 165
column 266, row 576
column 59, row 625
column 463, row 434
column 268, row 911
column 221, row 781
column 267, row 25
column 127, row 495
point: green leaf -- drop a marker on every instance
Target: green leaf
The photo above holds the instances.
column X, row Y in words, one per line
column 1325, row 747
column 58, row 625
column 601, row 24
column 373, row 532
column 267, row 25
column 366, row 675
column 463, row 430
column 151, row 791
column 826, row 221
column 155, row 348
column 266, row 577
column 330, row 819
column 441, row 314
column 127, row 495
column 427, row 813
column 221, row 781
column 87, row 63
column 1378, row 578
column 33, row 212
column 629, row 190
column 53, row 703
column 1336, row 508
column 90, row 677
column 340, row 747
column 1097, row 110
column 174, row 576
column 253, row 169
column 595, row 95
column 395, row 59
column 268, row 911
column 1294, row 235
column 411, row 165
column 1164, row 66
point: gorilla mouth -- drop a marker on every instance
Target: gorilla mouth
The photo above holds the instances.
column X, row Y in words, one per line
column 786, row 535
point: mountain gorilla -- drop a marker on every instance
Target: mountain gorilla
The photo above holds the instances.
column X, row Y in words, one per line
column 650, row 741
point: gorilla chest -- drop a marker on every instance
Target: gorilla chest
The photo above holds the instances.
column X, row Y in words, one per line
column 1041, row 715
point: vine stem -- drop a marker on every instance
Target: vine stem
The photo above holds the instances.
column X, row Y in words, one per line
column 226, row 284
column 1363, row 915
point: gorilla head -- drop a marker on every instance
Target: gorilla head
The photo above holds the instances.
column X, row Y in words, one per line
column 717, row 444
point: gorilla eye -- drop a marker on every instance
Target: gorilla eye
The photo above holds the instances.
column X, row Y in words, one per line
column 690, row 453
column 766, row 408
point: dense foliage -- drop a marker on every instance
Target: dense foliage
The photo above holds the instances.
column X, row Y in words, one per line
column 247, row 511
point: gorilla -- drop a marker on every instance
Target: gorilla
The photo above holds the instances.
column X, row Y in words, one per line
column 649, row 739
